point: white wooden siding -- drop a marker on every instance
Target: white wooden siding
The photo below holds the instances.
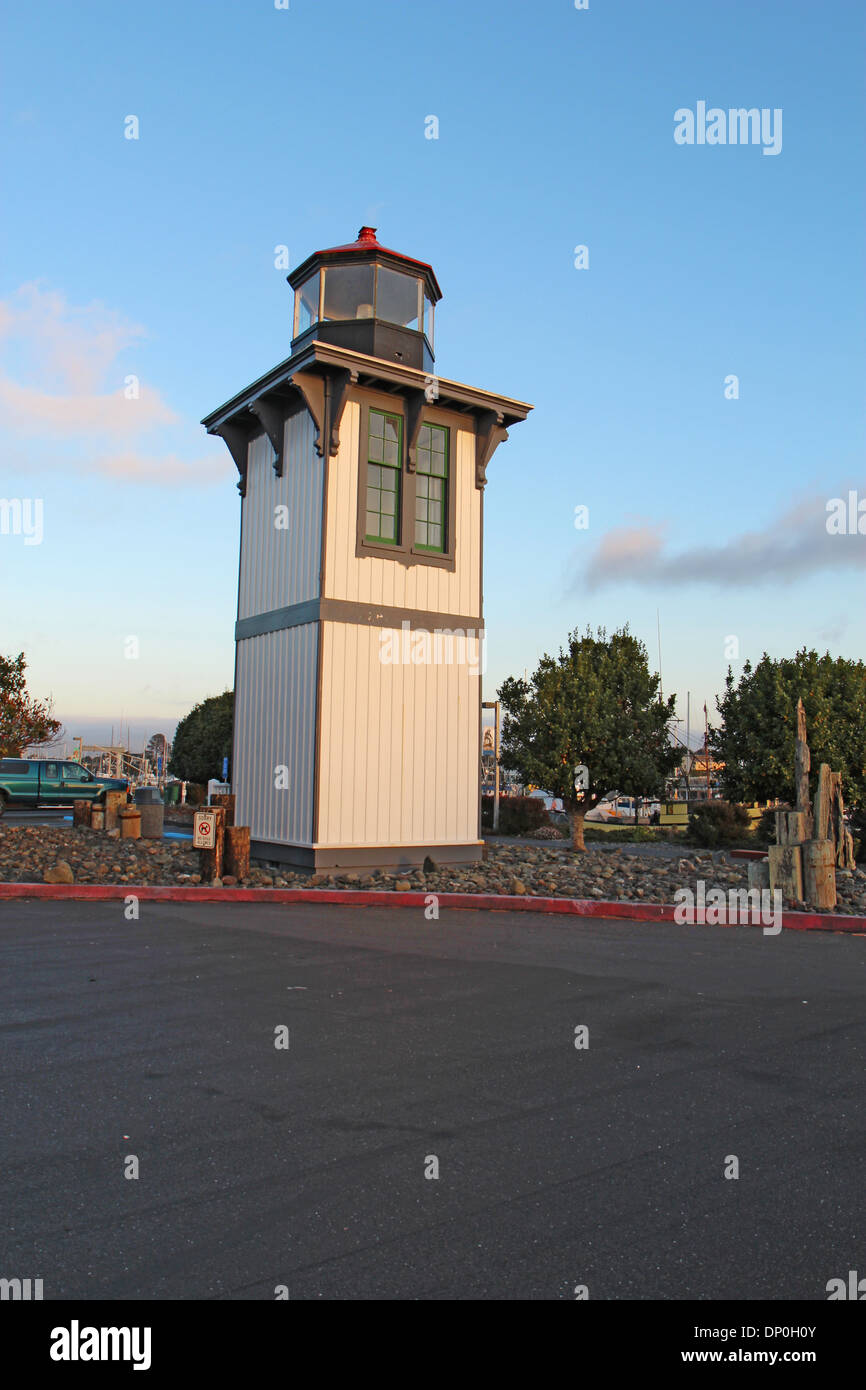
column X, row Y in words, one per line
column 369, row 579
column 275, row 723
column 280, row 567
column 400, row 745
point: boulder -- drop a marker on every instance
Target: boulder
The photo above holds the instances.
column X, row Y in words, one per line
column 61, row 872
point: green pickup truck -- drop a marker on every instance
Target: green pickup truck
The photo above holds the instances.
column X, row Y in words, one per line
column 41, row 782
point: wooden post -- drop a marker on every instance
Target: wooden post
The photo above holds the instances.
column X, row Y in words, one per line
column 237, row 851
column 114, row 804
column 792, row 827
column 786, row 871
column 819, row 873
column 81, row 813
column 211, row 860
column 227, row 801
column 759, row 873
column 802, row 763
column 821, row 818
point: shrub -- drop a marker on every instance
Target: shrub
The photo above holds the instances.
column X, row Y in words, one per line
column 519, row 815
column 713, row 823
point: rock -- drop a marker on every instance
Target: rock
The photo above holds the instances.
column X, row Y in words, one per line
column 429, row 866
column 61, row 872
column 229, row 880
column 402, row 885
column 113, row 834
column 517, row 886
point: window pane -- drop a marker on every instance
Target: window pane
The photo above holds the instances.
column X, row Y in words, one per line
column 388, row 531
column 375, row 449
column 420, row 533
column 424, row 437
column 348, row 292
column 307, row 304
column 397, row 298
column 372, row 523
column 390, row 428
column 391, row 452
column 389, row 500
column 421, row 508
column 434, row 487
column 434, row 534
column 377, row 423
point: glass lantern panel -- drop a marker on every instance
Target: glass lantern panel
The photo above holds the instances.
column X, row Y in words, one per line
column 306, row 305
column 397, row 298
column 348, row 292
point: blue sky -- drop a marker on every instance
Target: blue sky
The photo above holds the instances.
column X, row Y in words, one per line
column 258, row 127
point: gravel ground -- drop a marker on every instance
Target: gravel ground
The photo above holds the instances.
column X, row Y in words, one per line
column 36, row 854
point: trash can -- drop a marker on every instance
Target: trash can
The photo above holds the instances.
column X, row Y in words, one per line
column 148, row 803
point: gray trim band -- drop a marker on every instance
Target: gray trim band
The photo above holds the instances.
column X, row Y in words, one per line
column 338, row 610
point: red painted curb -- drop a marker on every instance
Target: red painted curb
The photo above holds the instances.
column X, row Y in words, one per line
column 491, row 902
column 747, row 853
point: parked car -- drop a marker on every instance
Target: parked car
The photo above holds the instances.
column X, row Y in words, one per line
column 551, row 802
column 31, row 782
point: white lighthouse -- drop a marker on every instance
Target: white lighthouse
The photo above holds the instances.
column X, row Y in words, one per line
column 357, row 725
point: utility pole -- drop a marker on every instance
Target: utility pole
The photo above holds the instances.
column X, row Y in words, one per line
column 707, row 749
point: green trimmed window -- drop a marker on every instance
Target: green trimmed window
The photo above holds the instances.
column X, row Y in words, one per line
column 384, row 462
column 431, row 488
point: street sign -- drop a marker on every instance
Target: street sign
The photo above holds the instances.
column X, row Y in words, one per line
column 204, row 830
column 225, row 769
column 159, row 766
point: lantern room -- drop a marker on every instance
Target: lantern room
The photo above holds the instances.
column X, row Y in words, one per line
column 369, row 299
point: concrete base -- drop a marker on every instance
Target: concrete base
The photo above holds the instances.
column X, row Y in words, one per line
column 365, row 856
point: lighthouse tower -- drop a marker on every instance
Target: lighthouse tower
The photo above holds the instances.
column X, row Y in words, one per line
column 359, row 635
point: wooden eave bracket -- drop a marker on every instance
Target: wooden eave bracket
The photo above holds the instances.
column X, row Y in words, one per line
column 237, row 440
column 489, row 434
column 272, row 420
column 415, row 403
column 312, row 388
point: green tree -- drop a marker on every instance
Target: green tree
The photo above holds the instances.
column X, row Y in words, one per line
column 596, row 706
column 757, row 734
column 24, row 722
column 203, row 738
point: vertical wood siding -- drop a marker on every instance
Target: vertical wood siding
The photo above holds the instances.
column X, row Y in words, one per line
column 280, row 567
column 400, row 745
column 275, row 723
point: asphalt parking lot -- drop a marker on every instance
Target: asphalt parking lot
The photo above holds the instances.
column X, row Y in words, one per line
column 411, row 1041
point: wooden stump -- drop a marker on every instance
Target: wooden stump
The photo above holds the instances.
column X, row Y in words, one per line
column 227, row 801
column 81, row 813
column 792, row 827
column 819, row 873
column 237, row 851
column 786, row 871
column 97, row 817
column 211, row 860
column 130, row 824
column 114, row 804
column 759, row 873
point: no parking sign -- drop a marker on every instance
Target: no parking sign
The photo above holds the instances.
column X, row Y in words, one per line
column 204, row 830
